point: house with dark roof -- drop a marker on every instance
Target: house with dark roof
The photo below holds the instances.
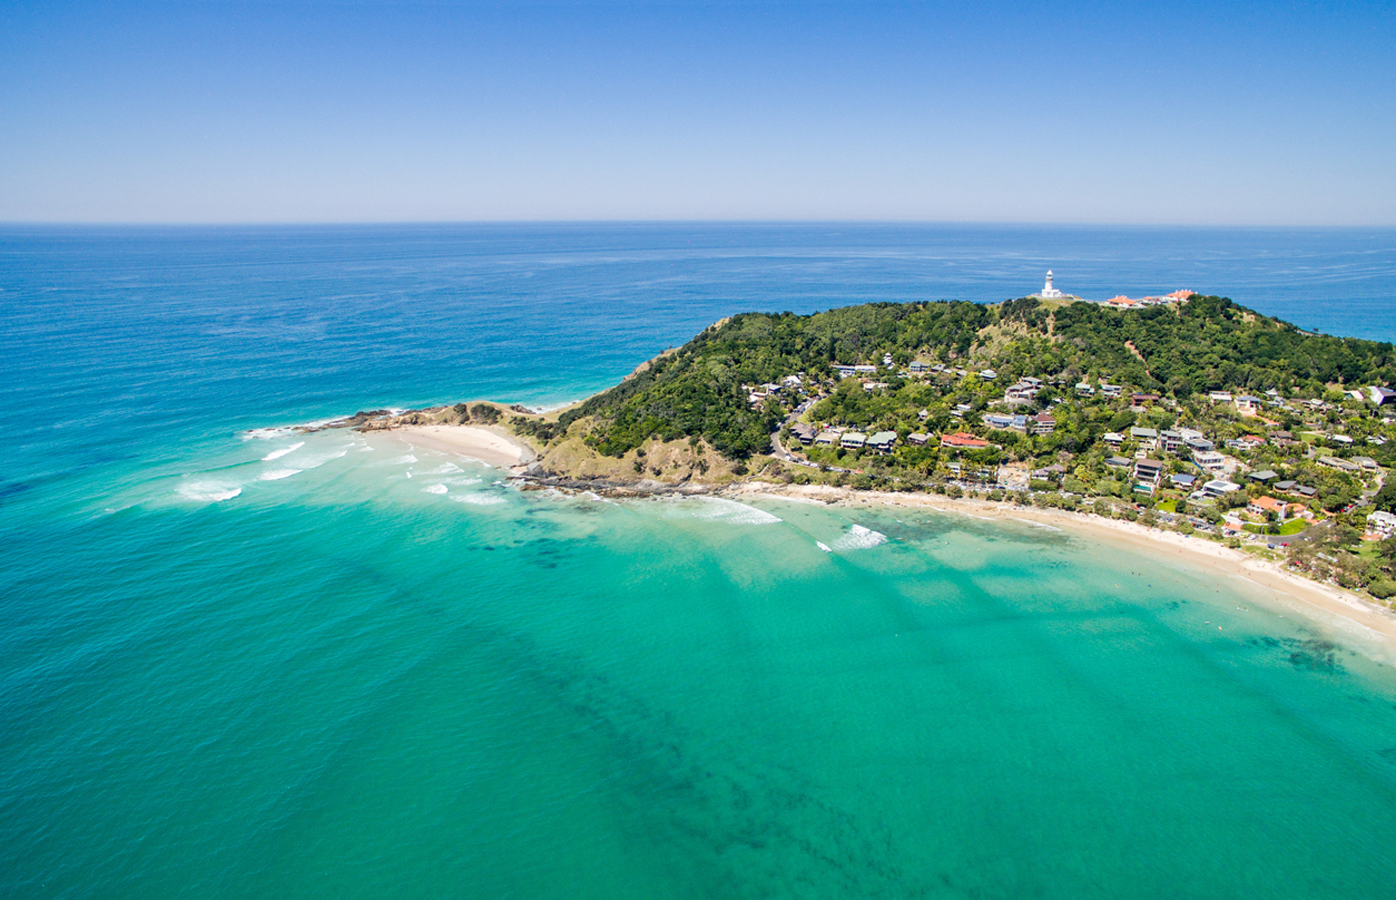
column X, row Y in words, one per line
column 1148, row 471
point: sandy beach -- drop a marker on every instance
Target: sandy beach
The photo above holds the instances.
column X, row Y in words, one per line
column 1340, row 611
column 495, row 448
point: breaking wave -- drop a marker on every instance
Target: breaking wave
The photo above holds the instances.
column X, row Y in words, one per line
column 277, row 454
column 734, row 512
column 209, row 491
column 312, row 462
column 859, row 538
column 478, row 499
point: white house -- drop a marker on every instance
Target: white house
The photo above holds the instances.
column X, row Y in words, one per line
column 1210, row 460
column 1383, row 523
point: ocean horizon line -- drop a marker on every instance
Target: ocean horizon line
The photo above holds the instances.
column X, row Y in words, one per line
column 716, row 221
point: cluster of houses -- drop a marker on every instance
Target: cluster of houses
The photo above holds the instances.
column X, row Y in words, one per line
column 1122, row 302
column 789, row 385
column 881, row 441
column 1148, row 472
column 1148, row 468
column 1042, row 423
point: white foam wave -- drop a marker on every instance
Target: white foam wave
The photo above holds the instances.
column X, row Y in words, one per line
column 277, row 454
column 314, row 462
column 407, row 460
column 445, row 469
column 859, row 538
column 209, row 491
column 823, row 546
column 461, row 482
column 278, row 474
column 478, row 499
column 434, row 489
column 734, row 512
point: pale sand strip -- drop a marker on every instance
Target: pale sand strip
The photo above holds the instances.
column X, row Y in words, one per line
column 474, row 441
column 1328, row 605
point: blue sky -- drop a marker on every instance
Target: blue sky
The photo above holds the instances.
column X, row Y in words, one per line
column 1206, row 113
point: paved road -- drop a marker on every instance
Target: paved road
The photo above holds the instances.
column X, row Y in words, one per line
column 778, row 449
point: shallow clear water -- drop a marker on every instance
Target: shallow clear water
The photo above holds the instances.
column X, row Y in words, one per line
column 326, row 666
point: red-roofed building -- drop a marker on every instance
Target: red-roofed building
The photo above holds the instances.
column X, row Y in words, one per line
column 963, row 440
column 1263, row 505
column 1181, row 296
column 1042, row 423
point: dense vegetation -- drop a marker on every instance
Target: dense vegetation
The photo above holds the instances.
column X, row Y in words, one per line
column 702, row 390
column 1325, row 450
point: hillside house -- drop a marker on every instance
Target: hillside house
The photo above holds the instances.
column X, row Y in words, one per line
column 1341, row 465
column 1263, row 506
column 1197, row 444
column 1210, row 460
column 1148, row 471
column 1139, row 401
column 1021, row 393
column 1042, row 423
column 1382, row 523
column 963, row 440
column 883, row 441
column 1247, row 405
column 1218, row 487
column 1380, row 395
column 1147, row 437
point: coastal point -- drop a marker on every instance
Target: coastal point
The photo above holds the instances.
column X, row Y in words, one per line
column 1148, row 413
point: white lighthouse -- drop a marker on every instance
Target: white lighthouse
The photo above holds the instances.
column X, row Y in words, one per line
column 1048, row 291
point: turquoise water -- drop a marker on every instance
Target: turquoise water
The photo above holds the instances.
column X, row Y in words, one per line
column 267, row 664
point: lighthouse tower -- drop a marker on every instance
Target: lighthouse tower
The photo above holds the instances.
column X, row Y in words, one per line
column 1048, row 291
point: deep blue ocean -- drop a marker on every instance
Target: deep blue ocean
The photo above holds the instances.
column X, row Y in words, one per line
column 235, row 660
